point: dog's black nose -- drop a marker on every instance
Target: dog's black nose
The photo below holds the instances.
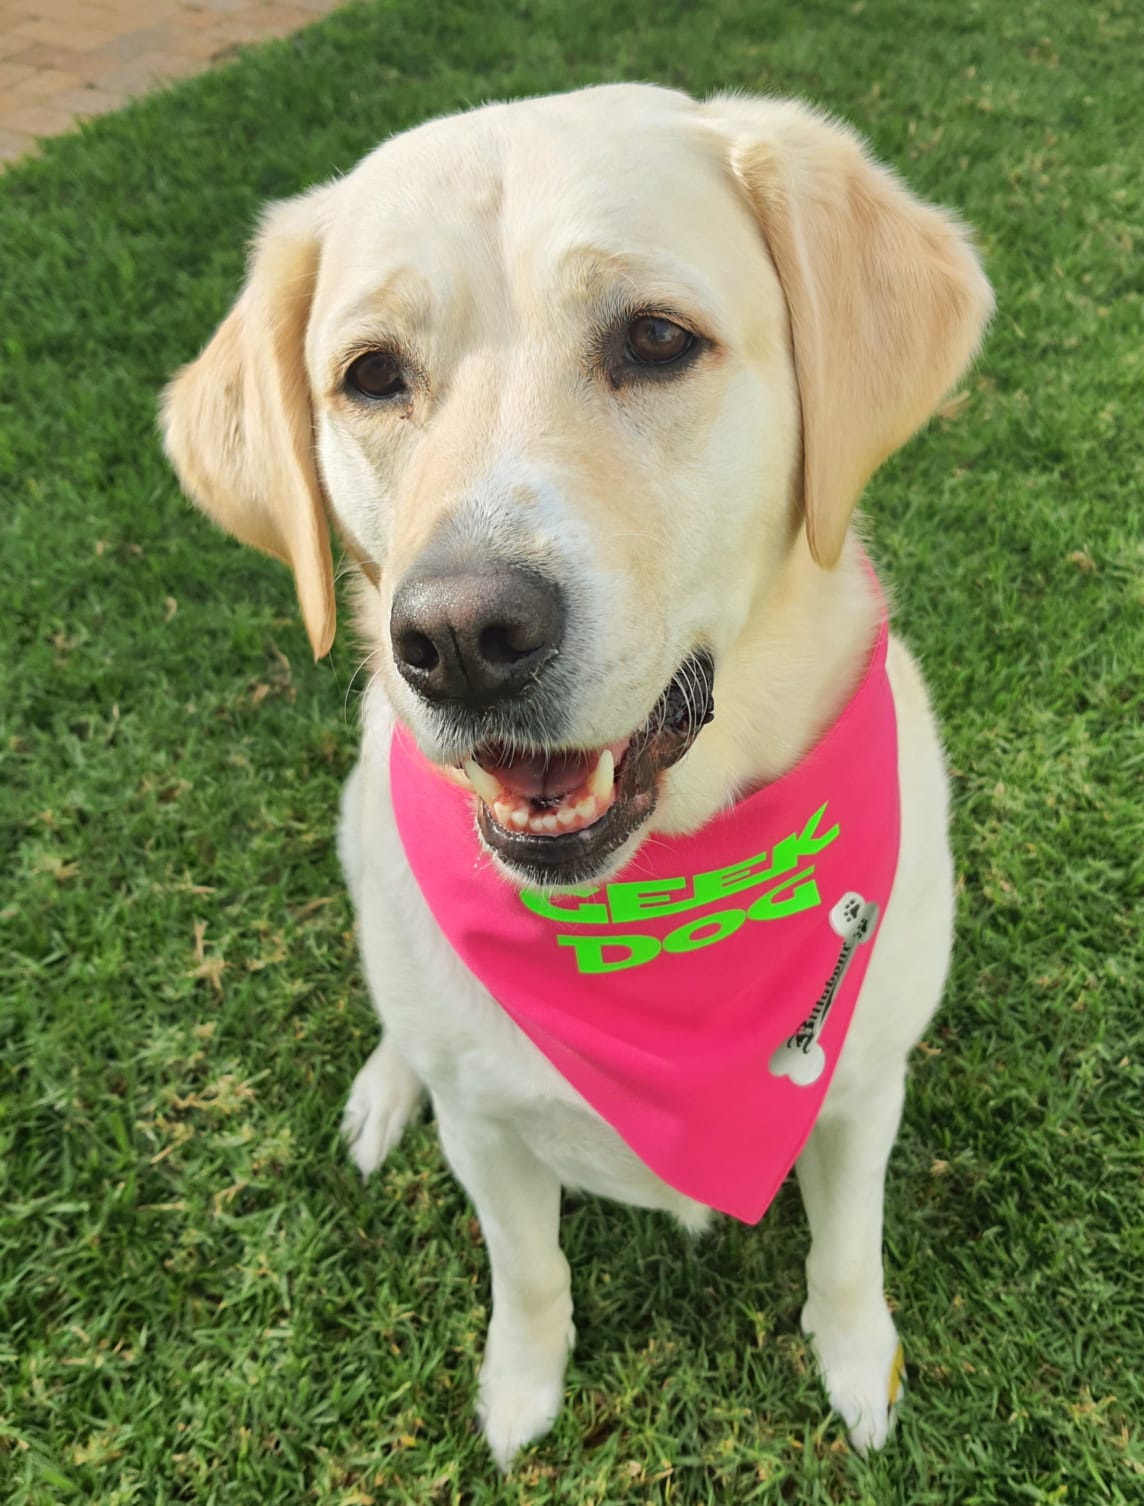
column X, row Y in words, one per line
column 475, row 636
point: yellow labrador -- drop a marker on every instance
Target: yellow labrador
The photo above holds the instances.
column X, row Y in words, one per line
column 616, row 364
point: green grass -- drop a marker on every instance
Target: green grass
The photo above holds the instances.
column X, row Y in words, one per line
column 199, row 1301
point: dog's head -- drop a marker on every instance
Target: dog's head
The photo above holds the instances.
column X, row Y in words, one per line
column 572, row 377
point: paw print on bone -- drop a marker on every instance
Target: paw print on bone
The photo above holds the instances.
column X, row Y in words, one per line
column 800, row 1057
column 848, row 908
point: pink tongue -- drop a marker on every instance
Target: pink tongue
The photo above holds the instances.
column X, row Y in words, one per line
column 536, row 777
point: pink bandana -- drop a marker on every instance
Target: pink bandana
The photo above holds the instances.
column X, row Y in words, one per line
column 699, row 1000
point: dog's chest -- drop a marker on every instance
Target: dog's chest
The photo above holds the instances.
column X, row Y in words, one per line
column 460, row 1042
column 699, row 999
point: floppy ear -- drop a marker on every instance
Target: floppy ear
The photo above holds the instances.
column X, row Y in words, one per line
column 886, row 297
column 237, row 422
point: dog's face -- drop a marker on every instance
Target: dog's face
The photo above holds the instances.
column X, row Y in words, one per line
column 570, row 376
column 551, row 415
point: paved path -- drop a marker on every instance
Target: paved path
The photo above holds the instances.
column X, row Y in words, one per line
column 65, row 60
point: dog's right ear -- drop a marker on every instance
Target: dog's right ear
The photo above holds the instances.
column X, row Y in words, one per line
column 238, row 422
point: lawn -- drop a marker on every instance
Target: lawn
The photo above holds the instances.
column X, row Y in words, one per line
column 199, row 1301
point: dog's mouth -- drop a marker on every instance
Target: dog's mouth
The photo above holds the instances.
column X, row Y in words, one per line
column 555, row 816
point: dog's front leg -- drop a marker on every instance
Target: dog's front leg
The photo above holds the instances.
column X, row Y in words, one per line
column 842, row 1173
column 517, row 1199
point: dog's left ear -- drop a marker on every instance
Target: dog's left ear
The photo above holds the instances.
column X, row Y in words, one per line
column 238, row 423
column 886, row 296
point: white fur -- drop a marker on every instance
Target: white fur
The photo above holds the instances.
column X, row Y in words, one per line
column 710, row 509
column 512, row 1116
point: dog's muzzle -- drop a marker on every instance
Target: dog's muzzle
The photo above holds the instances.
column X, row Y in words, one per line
column 555, row 816
column 475, row 638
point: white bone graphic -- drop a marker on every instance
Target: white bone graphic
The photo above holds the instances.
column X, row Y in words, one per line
column 800, row 1057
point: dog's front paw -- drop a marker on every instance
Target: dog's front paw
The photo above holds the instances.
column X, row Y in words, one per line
column 520, row 1391
column 384, row 1096
column 862, row 1369
column 514, row 1412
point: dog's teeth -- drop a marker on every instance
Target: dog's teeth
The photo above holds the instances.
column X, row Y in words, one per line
column 603, row 776
column 519, row 818
column 565, row 815
column 586, row 808
column 550, row 823
column 536, row 824
column 485, row 784
column 502, row 811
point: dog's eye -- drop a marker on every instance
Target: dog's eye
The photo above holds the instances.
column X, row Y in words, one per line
column 653, row 341
column 377, row 374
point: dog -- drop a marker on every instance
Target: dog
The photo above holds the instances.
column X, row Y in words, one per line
column 588, row 387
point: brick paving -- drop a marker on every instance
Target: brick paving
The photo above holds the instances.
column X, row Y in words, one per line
column 62, row 61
